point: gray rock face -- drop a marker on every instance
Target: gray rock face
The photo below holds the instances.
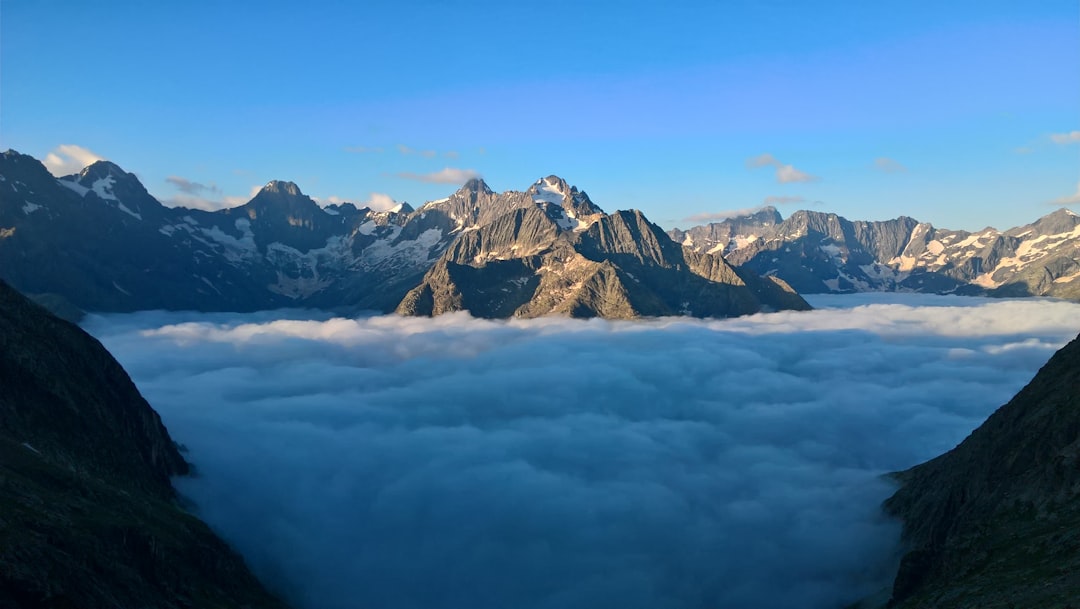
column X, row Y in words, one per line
column 817, row 253
column 995, row 522
column 98, row 241
column 88, row 517
column 533, row 262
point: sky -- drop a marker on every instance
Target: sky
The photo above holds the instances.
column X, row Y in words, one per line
column 557, row 463
column 963, row 113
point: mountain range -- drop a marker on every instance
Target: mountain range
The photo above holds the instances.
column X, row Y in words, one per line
column 97, row 240
column 817, row 252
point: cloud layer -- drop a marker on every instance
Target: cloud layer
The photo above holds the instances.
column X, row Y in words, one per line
column 67, row 159
column 452, row 462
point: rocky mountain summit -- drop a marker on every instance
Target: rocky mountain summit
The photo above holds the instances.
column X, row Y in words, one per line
column 818, row 252
column 88, row 517
column 995, row 522
column 98, row 241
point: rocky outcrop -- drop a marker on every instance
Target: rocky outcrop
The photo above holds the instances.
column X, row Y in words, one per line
column 818, row 252
column 995, row 522
column 88, row 517
column 533, row 262
column 97, row 241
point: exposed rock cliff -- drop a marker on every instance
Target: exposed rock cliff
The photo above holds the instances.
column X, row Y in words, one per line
column 567, row 257
column 820, row 252
column 995, row 522
column 88, row 517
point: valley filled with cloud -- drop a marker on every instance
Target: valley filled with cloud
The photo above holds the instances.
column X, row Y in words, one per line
column 454, row 462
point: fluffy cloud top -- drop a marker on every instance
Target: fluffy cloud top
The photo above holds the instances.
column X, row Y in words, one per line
column 452, row 462
column 67, row 159
column 448, row 175
column 785, row 174
column 379, row 201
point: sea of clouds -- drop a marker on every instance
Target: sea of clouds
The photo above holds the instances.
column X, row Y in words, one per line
column 390, row 462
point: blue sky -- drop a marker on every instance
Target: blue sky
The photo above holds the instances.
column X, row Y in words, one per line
column 964, row 115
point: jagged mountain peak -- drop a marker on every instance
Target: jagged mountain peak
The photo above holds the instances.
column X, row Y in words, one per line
column 1055, row 223
column 105, row 174
column 282, row 187
column 474, row 185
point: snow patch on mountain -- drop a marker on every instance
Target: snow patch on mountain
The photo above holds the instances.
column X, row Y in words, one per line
column 102, row 187
column 547, row 192
column 75, row 186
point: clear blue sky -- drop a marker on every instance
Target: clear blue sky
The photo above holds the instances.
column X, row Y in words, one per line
column 961, row 113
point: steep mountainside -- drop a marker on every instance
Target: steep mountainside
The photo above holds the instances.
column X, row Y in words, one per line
column 817, row 252
column 88, row 517
column 995, row 522
column 98, row 241
column 560, row 254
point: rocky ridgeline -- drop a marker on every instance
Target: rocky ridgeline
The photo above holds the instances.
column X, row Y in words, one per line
column 817, row 252
column 98, row 241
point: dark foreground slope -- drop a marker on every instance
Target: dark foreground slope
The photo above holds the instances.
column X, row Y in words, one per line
column 88, row 517
column 995, row 522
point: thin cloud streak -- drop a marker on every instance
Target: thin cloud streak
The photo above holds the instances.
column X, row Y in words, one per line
column 888, row 165
column 454, row 462
column 1070, row 137
column 785, row 174
column 448, row 175
column 1073, row 199
column 189, row 187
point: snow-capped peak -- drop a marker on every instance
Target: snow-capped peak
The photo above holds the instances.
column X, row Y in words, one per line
column 549, row 190
column 283, row 187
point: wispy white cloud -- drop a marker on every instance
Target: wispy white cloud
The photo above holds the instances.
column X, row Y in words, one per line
column 785, row 174
column 783, row 200
column 889, row 165
column 406, row 150
column 763, row 160
column 448, row 175
column 67, row 159
column 1070, row 137
column 717, row 216
column 451, row 154
column 379, row 201
column 788, row 174
column 189, row 187
column 192, row 200
column 1073, row 199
